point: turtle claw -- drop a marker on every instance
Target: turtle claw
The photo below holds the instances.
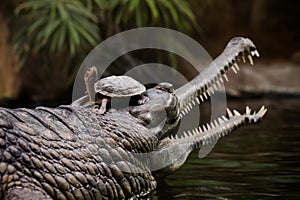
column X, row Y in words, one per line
column 101, row 110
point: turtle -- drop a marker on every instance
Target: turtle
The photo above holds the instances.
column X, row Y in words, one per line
column 100, row 92
column 116, row 87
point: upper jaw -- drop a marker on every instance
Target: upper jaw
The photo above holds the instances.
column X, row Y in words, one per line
column 205, row 84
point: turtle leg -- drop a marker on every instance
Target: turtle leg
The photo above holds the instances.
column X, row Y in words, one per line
column 102, row 108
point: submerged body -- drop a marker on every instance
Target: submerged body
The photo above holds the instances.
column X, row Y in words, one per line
column 69, row 152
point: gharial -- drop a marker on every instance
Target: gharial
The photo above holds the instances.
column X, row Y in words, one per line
column 69, row 152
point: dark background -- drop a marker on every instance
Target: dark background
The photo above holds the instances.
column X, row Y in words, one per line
column 274, row 26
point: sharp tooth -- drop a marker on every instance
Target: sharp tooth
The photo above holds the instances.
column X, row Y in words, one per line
column 250, row 59
column 215, row 86
column 180, row 116
column 248, row 111
column 193, row 102
column 221, row 79
column 236, row 123
column 216, row 123
column 208, row 127
column 244, row 59
column 220, row 121
column 256, row 53
column 190, row 133
column 194, row 132
column 218, row 83
column 226, row 78
column 233, row 69
column 236, row 113
column 204, row 129
column 223, row 134
column 201, row 97
column 205, row 95
column 262, row 111
column 197, row 99
column 199, row 129
column 208, row 92
column 185, row 111
column 224, row 118
column 229, row 113
column 236, row 66
column 212, row 125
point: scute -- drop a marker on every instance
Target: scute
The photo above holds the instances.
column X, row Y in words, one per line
column 119, row 86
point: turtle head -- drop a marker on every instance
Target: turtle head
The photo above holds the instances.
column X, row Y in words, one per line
column 157, row 108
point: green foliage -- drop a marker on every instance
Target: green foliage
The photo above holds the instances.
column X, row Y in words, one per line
column 139, row 13
column 52, row 26
column 65, row 29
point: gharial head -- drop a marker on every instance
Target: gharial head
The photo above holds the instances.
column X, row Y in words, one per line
column 161, row 107
column 157, row 108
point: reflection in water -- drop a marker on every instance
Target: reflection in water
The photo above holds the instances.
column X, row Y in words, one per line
column 255, row 162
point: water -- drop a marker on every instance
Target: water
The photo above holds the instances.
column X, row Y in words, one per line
column 260, row 161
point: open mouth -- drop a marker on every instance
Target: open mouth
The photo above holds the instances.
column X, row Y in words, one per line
column 204, row 85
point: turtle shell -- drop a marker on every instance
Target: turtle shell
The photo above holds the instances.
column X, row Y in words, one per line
column 118, row 86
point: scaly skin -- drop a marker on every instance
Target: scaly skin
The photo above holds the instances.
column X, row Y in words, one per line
column 63, row 151
column 69, row 152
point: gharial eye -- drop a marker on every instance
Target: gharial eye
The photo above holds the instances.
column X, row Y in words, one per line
column 168, row 87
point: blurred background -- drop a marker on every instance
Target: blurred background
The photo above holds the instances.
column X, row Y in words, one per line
column 43, row 42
